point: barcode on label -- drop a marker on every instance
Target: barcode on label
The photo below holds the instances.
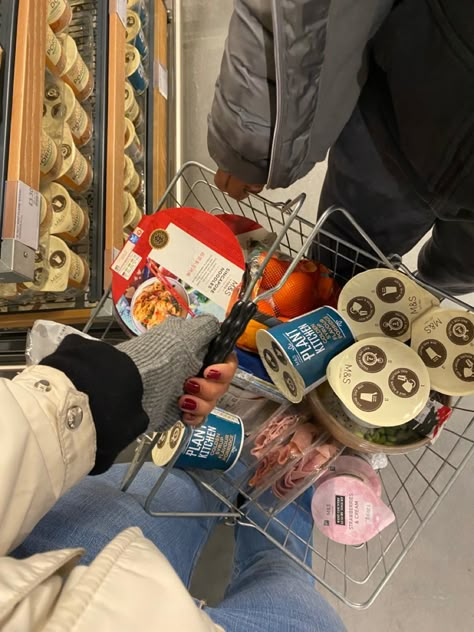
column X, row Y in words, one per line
column 341, row 510
column 127, row 261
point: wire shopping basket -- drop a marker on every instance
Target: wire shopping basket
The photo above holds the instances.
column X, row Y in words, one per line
column 413, row 484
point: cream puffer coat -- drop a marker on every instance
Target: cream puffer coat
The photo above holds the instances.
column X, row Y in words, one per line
column 48, row 445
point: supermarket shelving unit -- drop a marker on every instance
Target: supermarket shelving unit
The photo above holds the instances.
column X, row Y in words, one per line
column 99, row 32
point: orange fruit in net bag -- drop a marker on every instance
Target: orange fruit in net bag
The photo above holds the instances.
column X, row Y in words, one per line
column 306, row 265
column 265, row 307
column 274, row 270
column 298, row 296
column 248, row 340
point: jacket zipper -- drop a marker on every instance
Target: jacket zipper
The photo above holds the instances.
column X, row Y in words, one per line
column 276, row 141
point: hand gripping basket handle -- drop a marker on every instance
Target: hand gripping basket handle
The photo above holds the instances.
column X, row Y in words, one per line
column 245, row 309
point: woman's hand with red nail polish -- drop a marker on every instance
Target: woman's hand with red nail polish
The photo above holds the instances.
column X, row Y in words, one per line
column 192, row 387
column 205, row 392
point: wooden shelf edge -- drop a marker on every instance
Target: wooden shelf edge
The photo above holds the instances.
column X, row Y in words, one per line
column 115, row 143
column 160, row 103
column 23, row 320
column 27, row 99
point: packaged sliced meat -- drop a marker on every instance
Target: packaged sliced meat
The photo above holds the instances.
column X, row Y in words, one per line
column 286, row 455
column 275, row 432
column 306, row 470
column 288, row 482
column 285, row 418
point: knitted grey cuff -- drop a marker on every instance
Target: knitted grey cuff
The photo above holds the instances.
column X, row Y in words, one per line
column 166, row 356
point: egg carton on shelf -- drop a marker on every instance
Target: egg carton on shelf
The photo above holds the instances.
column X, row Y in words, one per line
column 413, row 484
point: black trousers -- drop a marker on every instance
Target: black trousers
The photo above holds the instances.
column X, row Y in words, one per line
column 384, row 166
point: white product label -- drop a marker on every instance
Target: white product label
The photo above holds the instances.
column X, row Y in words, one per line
column 28, row 207
column 204, row 269
column 161, row 79
column 120, row 8
column 127, row 261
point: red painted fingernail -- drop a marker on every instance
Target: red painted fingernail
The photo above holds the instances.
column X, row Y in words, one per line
column 189, row 404
column 192, row 387
column 213, row 374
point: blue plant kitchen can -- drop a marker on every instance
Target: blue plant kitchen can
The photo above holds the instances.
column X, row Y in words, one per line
column 140, row 7
column 134, row 69
column 297, row 353
column 135, row 36
column 216, row 445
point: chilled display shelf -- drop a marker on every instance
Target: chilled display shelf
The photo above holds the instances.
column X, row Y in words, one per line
column 89, row 28
column 99, row 33
column 23, row 65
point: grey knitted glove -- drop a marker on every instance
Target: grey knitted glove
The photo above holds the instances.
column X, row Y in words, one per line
column 166, row 356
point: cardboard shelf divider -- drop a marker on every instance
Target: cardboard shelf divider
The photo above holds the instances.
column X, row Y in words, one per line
column 115, row 143
column 160, row 105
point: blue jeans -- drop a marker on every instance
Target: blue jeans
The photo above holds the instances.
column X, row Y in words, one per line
column 267, row 591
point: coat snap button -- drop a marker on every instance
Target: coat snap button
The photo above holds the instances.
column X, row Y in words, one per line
column 74, row 417
column 43, row 385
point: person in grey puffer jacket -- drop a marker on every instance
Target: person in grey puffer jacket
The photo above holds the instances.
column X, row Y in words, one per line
column 388, row 87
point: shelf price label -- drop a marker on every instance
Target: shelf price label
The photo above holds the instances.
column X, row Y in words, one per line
column 120, row 8
column 28, row 207
column 160, row 79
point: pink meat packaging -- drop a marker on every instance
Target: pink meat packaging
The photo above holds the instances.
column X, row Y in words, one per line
column 298, row 441
column 355, row 466
column 346, row 510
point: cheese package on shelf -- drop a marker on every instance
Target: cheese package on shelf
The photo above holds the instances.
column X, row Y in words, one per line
column 60, row 107
column 59, row 15
column 57, row 268
column 51, row 159
column 46, row 216
column 76, row 73
column 69, row 220
column 77, row 118
column 133, row 110
column 76, row 172
column 133, row 145
column 55, row 55
column 132, row 214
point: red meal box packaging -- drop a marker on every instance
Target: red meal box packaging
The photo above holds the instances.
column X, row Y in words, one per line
column 181, row 262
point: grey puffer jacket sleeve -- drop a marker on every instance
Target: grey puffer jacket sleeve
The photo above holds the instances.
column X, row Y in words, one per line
column 243, row 112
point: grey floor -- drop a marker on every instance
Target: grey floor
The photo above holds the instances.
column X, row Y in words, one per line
column 434, row 587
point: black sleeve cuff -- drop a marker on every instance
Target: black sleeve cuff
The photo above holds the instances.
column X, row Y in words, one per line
column 114, row 387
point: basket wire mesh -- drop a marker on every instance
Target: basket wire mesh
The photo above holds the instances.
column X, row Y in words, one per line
column 413, row 484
